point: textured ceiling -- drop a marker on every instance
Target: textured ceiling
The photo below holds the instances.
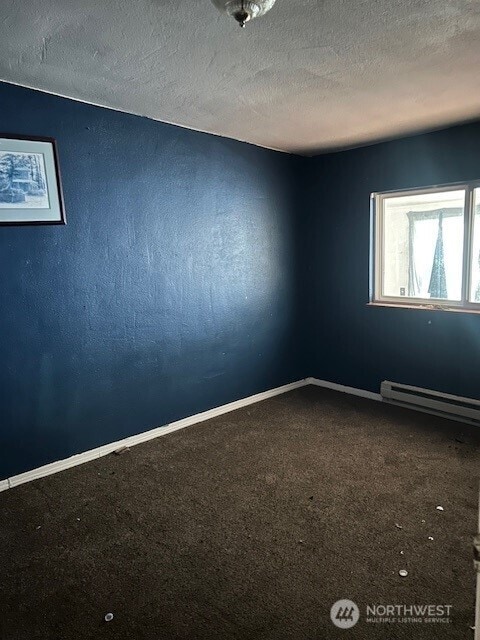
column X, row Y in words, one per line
column 309, row 76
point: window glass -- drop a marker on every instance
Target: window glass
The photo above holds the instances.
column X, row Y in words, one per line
column 475, row 277
column 423, row 245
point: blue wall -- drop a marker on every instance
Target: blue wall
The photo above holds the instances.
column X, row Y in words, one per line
column 170, row 291
column 196, row 270
column 359, row 346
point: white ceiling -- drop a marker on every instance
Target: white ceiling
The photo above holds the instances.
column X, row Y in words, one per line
column 311, row 75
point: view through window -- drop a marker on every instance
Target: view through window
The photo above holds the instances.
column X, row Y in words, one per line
column 427, row 246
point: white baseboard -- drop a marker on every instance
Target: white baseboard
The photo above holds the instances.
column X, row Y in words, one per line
column 131, row 441
column 342, row 388
column 92, row 454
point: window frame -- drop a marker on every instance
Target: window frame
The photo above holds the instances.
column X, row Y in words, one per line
column 377, row 257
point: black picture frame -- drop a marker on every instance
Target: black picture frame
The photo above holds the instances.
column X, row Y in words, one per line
column 39, row 158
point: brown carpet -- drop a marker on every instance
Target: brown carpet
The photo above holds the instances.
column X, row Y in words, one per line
column 250, row 526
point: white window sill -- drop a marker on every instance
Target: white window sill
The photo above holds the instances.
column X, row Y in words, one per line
column 423, row 307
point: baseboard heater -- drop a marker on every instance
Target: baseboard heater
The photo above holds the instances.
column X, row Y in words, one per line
column 428, row 401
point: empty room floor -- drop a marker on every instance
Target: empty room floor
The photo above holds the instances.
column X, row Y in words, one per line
column 250, row 526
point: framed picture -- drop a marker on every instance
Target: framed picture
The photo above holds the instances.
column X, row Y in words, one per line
column 30, row 187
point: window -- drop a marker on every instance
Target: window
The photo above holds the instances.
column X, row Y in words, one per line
column 427, row 247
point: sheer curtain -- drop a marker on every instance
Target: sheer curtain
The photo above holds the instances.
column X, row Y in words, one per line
column 436, row 254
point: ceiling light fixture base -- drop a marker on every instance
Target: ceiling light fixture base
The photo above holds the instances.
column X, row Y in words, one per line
column 244, row 11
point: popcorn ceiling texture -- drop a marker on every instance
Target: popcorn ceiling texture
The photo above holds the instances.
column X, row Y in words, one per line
column 309, row 76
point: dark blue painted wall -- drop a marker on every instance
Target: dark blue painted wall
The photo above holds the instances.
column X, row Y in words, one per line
column 359, row 346
column 170, row 291
column 195, row 270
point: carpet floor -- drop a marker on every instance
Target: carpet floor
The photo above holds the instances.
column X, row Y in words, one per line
column 250, row 526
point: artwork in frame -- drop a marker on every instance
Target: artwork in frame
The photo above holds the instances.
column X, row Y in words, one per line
column 30, row 187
